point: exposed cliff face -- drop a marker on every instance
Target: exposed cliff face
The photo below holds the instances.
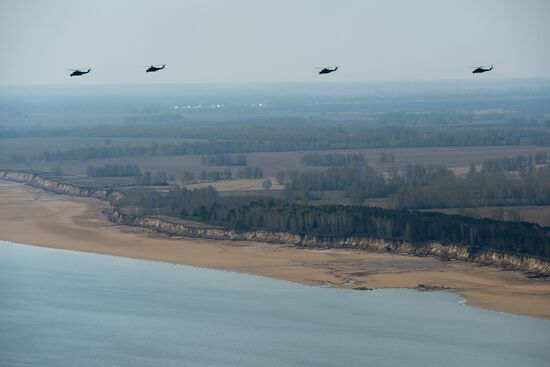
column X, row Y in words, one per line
column 510, row 261
column 58, row 187
column 493, row 258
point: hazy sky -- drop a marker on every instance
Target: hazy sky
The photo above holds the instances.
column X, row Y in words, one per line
column 270, row 40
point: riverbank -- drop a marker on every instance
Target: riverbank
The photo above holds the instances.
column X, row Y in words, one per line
column 34, row 216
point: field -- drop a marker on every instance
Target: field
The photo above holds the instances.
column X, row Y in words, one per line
column 237, row 185
column 40, row 127
column 455, row 158
column 32, row 145
column 274, row 162
column 99, row 181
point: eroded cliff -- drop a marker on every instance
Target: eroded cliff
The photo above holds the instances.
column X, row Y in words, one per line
column 59, row 187
column 447, row 251
column 493, row 258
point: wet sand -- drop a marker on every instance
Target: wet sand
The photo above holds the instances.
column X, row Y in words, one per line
column 36, row 217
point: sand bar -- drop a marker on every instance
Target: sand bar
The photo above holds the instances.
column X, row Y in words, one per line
column 34, row 216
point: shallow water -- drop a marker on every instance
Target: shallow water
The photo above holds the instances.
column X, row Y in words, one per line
column 63, row 308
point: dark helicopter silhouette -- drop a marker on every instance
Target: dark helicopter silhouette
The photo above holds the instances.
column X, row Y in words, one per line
column 327, row 70
column 154, row 68
column 76, row 72
column 481, row 69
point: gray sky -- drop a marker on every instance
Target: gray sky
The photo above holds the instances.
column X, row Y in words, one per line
column 270, row 40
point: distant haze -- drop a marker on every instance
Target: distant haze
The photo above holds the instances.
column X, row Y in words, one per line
column 277, row 40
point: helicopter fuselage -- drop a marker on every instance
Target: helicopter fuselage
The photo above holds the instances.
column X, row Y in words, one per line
column 481, row 70
column 328, row 71
column 152, row 69
column 79, row 72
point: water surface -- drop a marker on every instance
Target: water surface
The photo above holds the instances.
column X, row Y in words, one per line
column 62, row 308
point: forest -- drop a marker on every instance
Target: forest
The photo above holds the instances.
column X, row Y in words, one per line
column 418, row 228
column 493, row 188
column 519, row 180
column 152, row 179
column 205, row 176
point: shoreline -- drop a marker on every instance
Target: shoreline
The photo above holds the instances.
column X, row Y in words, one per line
column 174, row 227
column 36, row 217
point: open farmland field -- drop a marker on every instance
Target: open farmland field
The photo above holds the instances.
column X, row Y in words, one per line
column 274, row 162
column 99, row 181
column 32, row 145
column 237, row 185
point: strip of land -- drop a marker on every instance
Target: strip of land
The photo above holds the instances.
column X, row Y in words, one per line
column 33, row 216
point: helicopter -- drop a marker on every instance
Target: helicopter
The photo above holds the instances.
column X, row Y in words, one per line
column 327, row 70
column 154, row 68
column 76, row 72
column 481, row 69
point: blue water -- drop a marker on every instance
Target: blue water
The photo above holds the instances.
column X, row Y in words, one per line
column 61, row 308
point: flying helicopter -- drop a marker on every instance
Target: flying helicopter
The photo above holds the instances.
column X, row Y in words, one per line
column 76, row 72
column 154, row 68
column 327, row 70
column 481, row 69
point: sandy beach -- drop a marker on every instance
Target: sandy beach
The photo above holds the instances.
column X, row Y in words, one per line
column 36, row 217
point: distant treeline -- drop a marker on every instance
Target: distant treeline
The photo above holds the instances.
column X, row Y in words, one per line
column 205, row 176
column 509, row 215
column 250, row 172
column 418, row 186
column 333, row 159
column 358, row 183
column 113, row 170
column 386, row 157
column 188, row 177
column 150, row 179
column 329, row 134
column 494, row 188
column 247, row 213
column 236, row 138
column 224, row 160
column 226, row 174
column 519, row 162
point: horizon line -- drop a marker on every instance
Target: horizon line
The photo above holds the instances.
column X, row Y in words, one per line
column 389, row 81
